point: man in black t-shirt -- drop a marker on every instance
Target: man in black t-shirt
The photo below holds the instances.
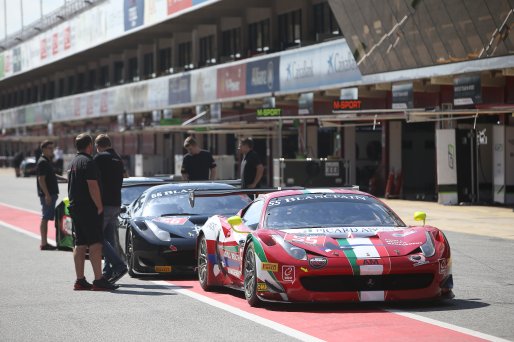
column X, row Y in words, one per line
column 197, row 164
column 86, row 210
column 111, row 179
column 47, row 190
column 251, row 166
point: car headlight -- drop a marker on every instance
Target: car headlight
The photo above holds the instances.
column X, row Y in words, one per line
column 295, row 252
column 161, row 234
column 428, row 247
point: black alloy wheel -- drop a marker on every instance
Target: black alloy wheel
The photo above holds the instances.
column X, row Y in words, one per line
column 250, row 277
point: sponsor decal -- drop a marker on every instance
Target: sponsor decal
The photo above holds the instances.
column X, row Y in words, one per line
column 366, row 262
column 304, row 269
column 313, row 240
column 269, row 266
column 236, row 256
column 318, row 262
column 237, row 274
column 261, row 287
column 443, row 266
column 170, row 193
column 395, row 242
column 418, row 259
column 404, row 233
column 288, row 273
column 172, row 220
column 163, row 269
column 307, row 197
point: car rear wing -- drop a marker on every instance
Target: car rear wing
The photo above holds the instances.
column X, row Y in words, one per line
column 227, row 192
column 178, row 179
column 132, row 184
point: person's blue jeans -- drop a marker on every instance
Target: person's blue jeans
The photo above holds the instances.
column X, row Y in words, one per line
column 113, row 261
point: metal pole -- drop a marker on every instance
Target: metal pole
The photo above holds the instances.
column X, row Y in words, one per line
column 477, row 146
column 472, row 142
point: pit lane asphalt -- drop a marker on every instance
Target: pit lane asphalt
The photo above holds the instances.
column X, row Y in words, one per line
column 36, row 301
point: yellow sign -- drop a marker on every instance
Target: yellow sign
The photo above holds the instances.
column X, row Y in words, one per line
column 262, row 287
column 269, row 266
column 163, row 269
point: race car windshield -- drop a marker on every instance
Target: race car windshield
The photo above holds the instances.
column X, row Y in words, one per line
column 178, row 204
column 328, row 210
column 129, row 194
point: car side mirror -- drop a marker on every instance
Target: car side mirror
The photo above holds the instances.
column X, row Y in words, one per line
column 420, row 216
column 235, row 221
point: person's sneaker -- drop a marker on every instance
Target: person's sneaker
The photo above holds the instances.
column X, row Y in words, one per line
column 103, row 285
column 117, row 276
column 47, row 247
column 82, row 285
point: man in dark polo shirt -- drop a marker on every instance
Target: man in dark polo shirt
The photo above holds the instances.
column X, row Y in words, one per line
column 47, row 190
column 111, row 175
column 251, row 166
column 197, row 164
column 86, row 210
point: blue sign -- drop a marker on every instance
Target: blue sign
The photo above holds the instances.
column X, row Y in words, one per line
column 134, row 13
column 262, row 76
column 196, row 2
column 179, row 89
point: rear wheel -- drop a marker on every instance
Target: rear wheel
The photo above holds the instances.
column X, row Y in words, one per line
column 203, row 264
column 130, row 253
column 250, row 277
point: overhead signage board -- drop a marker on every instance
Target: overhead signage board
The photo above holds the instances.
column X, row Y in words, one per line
column 179, row 89
column 232, row 81
column 344, row 105
column 467, row 90
column 402, row 96
column 306, row 104
column 268, row 108
column 349, row 94
column 133, row 11
column 323, row 64
column 262, row 76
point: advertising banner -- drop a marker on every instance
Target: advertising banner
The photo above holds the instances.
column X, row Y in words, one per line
column 446, row 166
column 402, row 96
column 467, row 90
column 157, row 95
column 306, row 104
column 179, row 89
column 175, row 6
column 155, row 10
column 16, row 59
column 320, row 65
column 204, row 83
column 232, row 81
column 262, row 76
column 133, row 11
column 1, row 66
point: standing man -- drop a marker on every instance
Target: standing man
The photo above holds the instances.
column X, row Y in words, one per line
column 251, row 166
column 47, row 190
column 197, row 164
column 86, row 211
column 111, row 176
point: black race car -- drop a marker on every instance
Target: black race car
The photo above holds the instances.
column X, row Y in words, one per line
column 131, row 189
column 158, row 230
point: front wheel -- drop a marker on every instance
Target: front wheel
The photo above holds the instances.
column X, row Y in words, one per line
column 129, row 252
column 250, row 277
column 203, row 264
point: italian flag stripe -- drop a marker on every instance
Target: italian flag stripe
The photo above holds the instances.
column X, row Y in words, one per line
column 350, row 255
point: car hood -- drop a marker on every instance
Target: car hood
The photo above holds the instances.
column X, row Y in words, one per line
column 330, row 242
column 179, row 226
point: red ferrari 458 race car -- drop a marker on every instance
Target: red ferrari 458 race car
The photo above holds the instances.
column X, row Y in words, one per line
column 322, row 245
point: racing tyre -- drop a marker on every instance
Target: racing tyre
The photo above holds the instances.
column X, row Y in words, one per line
column 203, row 265
column 250, row 277
column 130, row 253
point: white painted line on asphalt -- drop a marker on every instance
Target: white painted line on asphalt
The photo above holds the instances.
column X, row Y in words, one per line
column 23, row 231
column 21, row 208
column 448, row 326
column 241, row 313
